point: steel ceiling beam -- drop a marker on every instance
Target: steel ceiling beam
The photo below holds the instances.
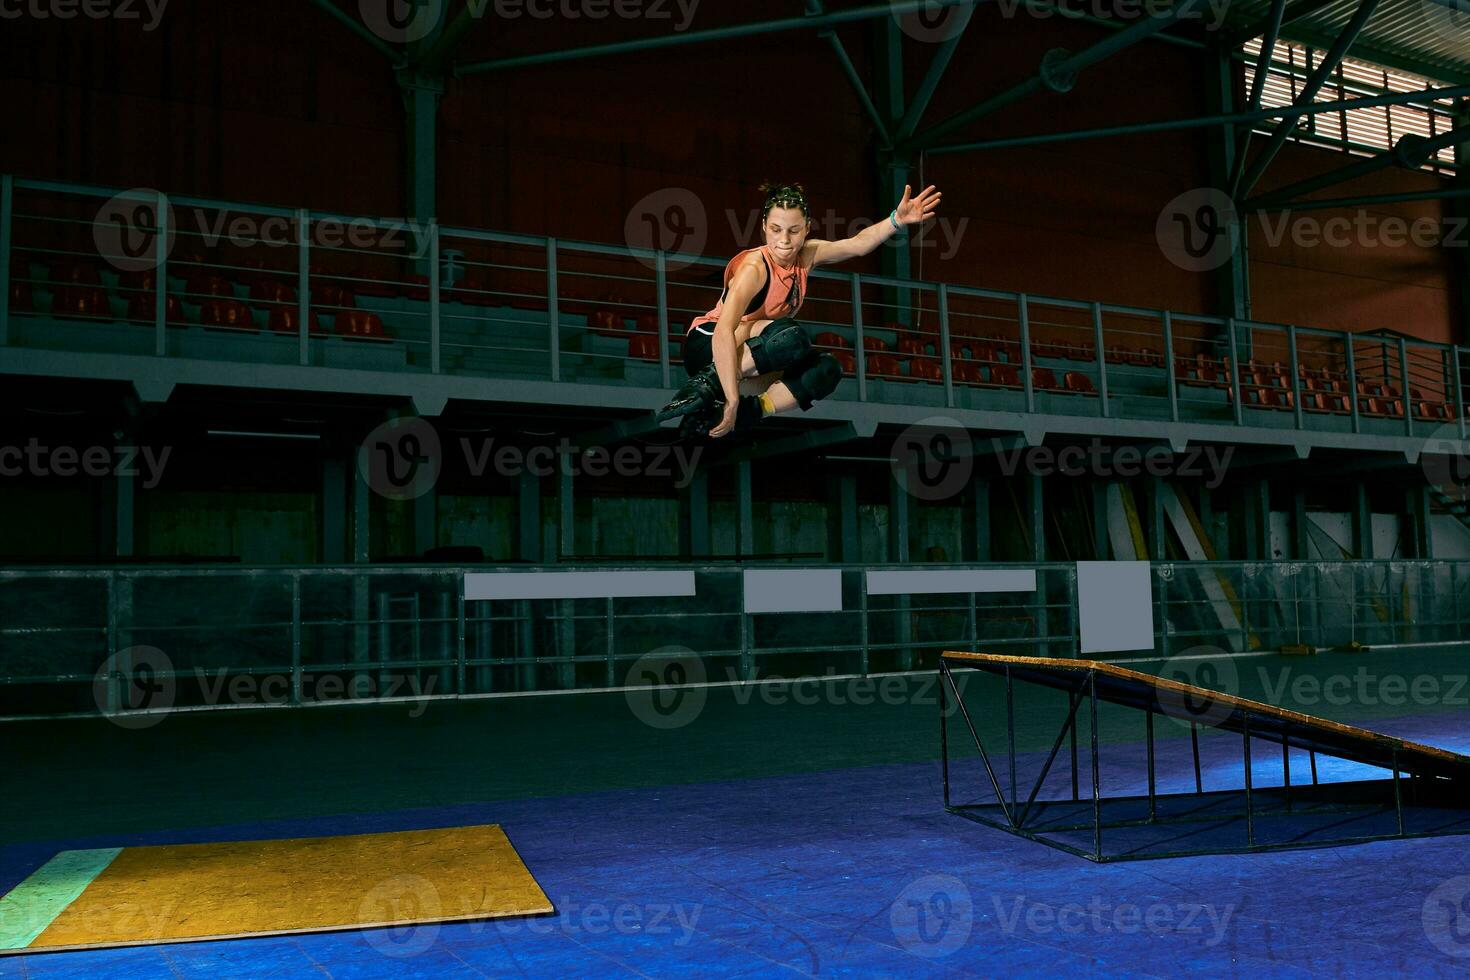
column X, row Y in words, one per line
column 932, row 77
column 827, row 20
column 1258, row 85
column 1239, row 118
column 433, row 60
column 1410, row 151
column 361, row 30
column 1057, row 73
column 1324, row 71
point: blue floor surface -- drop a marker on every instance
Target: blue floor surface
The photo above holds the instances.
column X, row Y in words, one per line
column 858, row 872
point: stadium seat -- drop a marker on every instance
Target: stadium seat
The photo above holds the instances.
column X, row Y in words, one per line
column 643, row 346
column 359, row 325
column 285, row 320
column 227, row 314
column 848, row 362
column 832, row 341
column 926, row 369
column 913, row 346
column 1078, row 383
column 1005, row 375
column 646, row 323
column 885, row 366
column 1044, row 379
column 199, row 287
column 875, row 344
column 143, row 308
column 73, row 272
column 21, row 299
column 964, row 372
column 81, row 302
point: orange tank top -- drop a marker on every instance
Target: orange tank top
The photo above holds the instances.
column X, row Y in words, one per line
column 783, row 294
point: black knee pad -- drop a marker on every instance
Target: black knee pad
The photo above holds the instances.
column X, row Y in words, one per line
column 782, row 344
column 814, row 378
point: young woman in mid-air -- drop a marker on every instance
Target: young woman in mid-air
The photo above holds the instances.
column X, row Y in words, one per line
column 747, row 358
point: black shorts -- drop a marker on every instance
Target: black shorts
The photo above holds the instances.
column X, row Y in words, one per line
column 698, row 351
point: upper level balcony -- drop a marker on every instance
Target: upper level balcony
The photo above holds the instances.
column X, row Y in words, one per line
column 162, row 292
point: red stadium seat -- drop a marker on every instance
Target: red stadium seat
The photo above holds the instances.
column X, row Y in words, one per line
column 359, row 325
column 926, row 369
column 1078, row 383
column 964, row 372
column 81, row 303
column 833, row 341
column 143, row 308
column 226, row 314
column 1044, row 379
column 21, row 299
column 914, row 346
column 883, row 366
column 646, row 323
column 1005, row 375
column 197, row 288
column 285, row 320
column 848, row 362
column 643, row 346
column 73, row 272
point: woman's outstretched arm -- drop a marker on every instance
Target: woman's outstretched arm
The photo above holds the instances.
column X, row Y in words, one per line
column 910, row 211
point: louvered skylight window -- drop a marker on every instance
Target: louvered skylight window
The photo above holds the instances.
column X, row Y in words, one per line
column 1361, row 132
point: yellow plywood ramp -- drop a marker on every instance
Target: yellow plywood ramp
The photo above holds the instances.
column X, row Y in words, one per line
column 178, row 893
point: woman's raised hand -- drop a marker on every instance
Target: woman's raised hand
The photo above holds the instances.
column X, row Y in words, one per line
column 916, row 210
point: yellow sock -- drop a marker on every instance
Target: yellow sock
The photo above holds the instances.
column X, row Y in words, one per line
column 768, row 407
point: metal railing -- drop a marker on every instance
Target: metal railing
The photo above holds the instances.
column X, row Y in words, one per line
column 120, row 641
column 86, row 269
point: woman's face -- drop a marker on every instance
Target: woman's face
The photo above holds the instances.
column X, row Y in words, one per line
column 786, row 230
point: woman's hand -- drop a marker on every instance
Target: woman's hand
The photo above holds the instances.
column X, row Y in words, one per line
column 913, row 211
column 727, row 422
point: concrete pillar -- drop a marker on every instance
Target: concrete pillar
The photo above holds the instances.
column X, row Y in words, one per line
column 694, row 517
column 1101, row 548
column 1362, row 522
column 528, row 518
column 1416, row 523
column 566, row 525
column 1301, row 538
column 125, row 522
column 333, row 542
column 745, row 517
column 977, row 521
column 845, row 543
column 1037, row 499
column 425, row 522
